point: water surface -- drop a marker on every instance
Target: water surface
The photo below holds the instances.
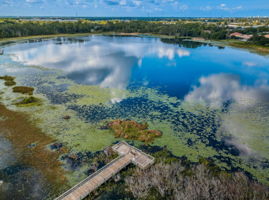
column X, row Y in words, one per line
column 121, row 62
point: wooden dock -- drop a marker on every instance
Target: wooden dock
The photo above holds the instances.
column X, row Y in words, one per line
column 127, row 154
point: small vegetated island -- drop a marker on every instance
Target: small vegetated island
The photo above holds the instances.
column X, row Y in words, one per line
column 132, row 130
column 23, row 90
column 28, row 99
column 9, row 80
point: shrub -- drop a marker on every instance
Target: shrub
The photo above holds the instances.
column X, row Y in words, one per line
column 29, row 101
column 9, row 80
column 23, row 90
column 129, row 129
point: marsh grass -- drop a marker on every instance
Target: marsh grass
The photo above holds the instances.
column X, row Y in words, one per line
column 20, row 131
column 29, row 101
column 129, row 129
column 23, row 90
column 9, row 80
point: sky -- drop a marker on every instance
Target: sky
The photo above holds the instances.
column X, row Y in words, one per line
column 135, row 8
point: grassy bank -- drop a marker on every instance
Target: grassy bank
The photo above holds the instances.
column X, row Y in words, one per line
column 15, row 39
column 237, row 44
column 232, row 43
column 252, row 47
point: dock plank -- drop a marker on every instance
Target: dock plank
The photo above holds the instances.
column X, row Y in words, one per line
column 128, row 154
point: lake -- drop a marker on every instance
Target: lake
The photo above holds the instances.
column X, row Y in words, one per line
column 122, row 62
column 208, row 101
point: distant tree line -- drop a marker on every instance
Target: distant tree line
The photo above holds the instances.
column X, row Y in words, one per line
column 259, row 40
column 180, row 29
column 253, row 30
column 16, row 28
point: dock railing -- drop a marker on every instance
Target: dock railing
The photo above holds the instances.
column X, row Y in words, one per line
column 90, row 177
column 96, row 173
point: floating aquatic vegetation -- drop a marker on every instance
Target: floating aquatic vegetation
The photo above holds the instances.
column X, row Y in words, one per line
column 187, row 130
column 54, row 87
column 247, row 129
column 95, row 95
column 151, row 107
column 74, row 133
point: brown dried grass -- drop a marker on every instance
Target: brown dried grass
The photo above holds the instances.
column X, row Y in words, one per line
column 18, row 129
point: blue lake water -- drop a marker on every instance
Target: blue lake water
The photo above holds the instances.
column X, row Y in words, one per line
column 122, row 62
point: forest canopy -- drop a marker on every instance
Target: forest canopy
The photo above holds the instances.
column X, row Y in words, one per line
column 16, row 28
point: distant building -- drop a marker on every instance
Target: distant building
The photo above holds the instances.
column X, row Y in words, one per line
column 241, row 36
column 233, row 26
column 236, row 34
column 208, row 31
column 242, row 26
column 198, row 39
column 266, row 36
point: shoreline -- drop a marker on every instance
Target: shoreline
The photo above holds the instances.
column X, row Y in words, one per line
column 14, row 39
column 264, row 51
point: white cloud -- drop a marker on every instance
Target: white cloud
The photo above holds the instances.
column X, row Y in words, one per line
column 8, row 3
column 137, row 2
column 217, row 89
column 149, row 4
column 227, row 8
column 34, row 1
column 221, row 6
column 206, row 8
column 183, row 7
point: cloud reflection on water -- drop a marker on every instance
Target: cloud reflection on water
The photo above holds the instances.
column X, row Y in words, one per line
column 101, row 61
column 246, row 121
column 217, row 89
